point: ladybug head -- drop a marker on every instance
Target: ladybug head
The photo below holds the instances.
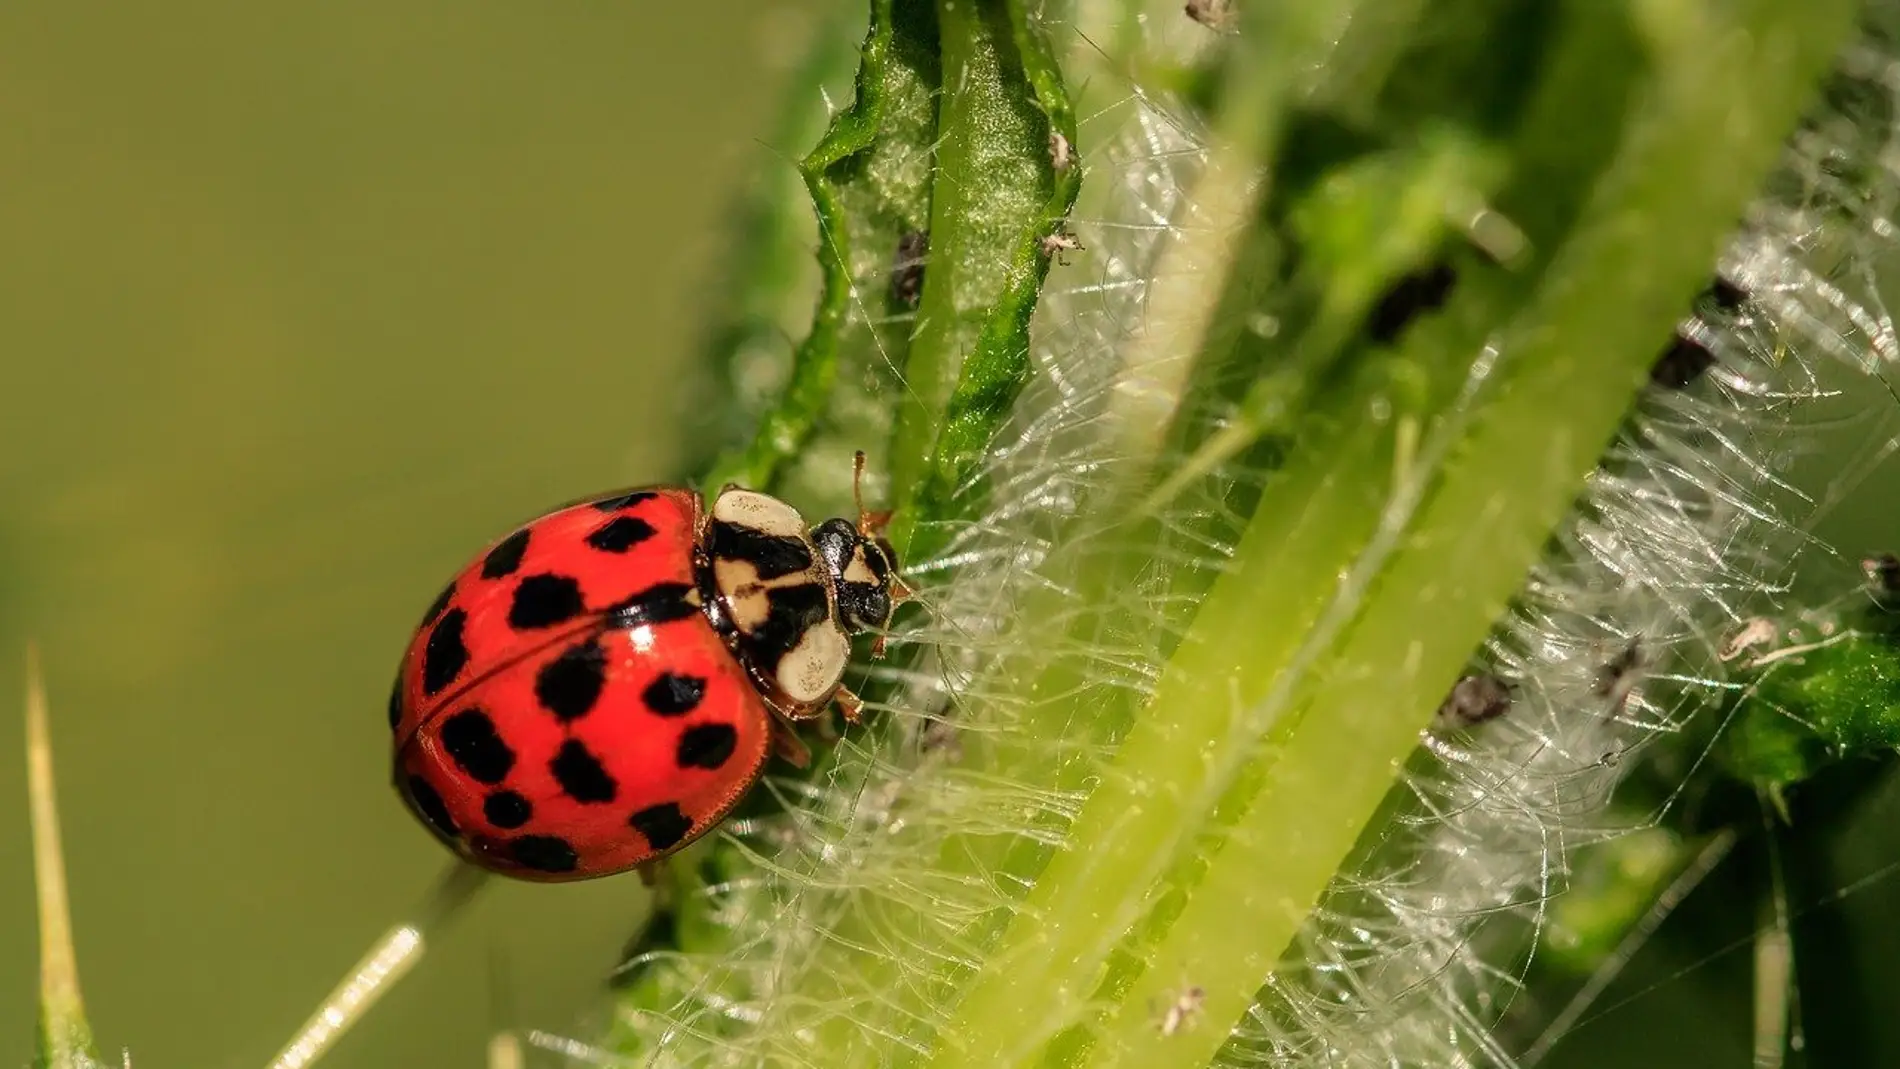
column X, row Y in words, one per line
column 859, row 570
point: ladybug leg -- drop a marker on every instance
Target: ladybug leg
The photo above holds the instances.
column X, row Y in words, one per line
column 702, row 518
column 788, row 746
column 873, row 524
column 650, row 872
column 850, row 705
column 870, row 524
column 900, row 590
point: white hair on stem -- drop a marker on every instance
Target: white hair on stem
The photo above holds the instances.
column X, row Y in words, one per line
column 1688, row 520
column 1413, row 959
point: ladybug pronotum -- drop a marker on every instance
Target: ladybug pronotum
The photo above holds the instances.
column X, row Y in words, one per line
column 602, row 686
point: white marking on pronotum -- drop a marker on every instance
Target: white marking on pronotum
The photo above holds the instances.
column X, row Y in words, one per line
column 760, row 512
column 810, row 669
column 857, row 571
column 746, row 594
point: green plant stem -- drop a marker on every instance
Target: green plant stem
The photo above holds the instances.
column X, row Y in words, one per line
column 1690, row 164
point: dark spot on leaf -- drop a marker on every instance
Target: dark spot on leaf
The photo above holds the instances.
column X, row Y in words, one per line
column 1474, row 700
column 1410, row 297
column 1683, row 362
column 1727, row 295
column 907, row 268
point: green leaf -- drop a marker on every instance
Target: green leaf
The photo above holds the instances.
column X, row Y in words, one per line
column 763, row 295
column 870, row 184
column 1005, row 124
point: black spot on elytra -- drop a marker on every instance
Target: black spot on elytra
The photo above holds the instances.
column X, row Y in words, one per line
column 674, row 695
column 620, row 534
column 544, row 853
column 429, row 804
column 580, row 774
column 623, row 501
column 771, row 555
column 570, row 684
column 440, row 603
column 470, row 739
column 1410, row 297
column 507, row 810
column 395, row 702
column 506, row 556
column 790, row 611
column 445, row 656
column 660, row 603
column 545, row 600
column 1681, row 363
column 662, row 825
column 706, row 746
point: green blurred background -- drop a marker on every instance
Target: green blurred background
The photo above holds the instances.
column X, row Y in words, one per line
column 301, row 305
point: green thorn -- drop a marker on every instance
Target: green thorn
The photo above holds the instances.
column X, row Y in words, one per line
column 65, row 1040
column 389, row 959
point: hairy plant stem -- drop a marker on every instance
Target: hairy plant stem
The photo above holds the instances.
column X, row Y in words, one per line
column 1332, row 724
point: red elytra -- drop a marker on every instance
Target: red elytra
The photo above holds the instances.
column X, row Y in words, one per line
column 580, row 700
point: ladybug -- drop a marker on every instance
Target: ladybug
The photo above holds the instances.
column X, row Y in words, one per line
column 602, row 686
